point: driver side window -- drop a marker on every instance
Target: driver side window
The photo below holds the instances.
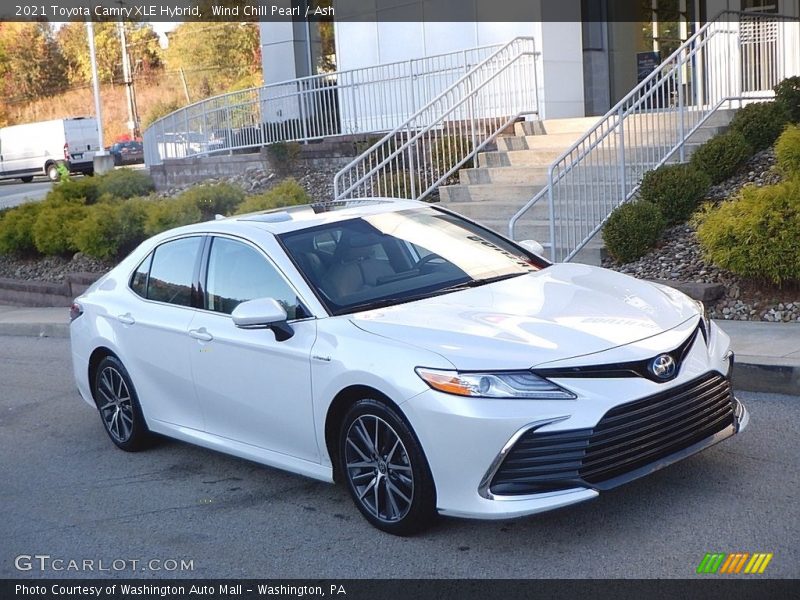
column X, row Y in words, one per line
column 237, row 273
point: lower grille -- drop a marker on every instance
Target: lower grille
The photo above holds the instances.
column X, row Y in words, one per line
column 627, row 438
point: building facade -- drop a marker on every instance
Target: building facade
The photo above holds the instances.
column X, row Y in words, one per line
column 592, row 52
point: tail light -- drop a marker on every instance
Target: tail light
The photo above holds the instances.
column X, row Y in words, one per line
column 75, row 311
column 66, row 151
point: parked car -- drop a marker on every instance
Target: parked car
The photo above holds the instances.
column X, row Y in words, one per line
column 430, row 364
column 127, row 153
column 41, row 148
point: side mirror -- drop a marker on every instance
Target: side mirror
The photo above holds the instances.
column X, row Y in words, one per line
column 263, row 313
column 532, row 246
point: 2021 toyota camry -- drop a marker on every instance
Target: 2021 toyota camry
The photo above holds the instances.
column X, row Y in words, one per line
column 429, row 363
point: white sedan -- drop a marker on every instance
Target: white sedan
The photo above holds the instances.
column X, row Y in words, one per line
column 429, row 363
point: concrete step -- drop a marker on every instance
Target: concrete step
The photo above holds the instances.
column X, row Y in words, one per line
column 578, row 125
column 526, row 175
column 488, row 192
column 518, row 158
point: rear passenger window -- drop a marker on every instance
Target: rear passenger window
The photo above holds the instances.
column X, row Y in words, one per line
column 172, row 271
column 139, row 278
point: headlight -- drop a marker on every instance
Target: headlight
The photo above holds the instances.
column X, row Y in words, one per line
column 510, row 384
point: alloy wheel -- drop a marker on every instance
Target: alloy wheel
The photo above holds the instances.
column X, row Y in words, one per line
column 115, row 404
column 379, row 468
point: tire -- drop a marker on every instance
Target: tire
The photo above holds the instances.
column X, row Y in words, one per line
column 118, row 406
column 392, row 484
column 52, row 172
column 26, row 179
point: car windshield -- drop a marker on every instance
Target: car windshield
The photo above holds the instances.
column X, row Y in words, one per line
column 390, row 258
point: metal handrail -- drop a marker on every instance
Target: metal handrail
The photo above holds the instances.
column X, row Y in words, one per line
column 364, row 101
column 415, row 157
column 716, row 67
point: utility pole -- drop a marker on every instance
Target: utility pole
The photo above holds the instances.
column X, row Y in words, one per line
column 133, row 121
column 102, row 160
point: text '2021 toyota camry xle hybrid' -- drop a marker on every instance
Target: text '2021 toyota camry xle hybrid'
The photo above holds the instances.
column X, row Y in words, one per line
column 425, row 361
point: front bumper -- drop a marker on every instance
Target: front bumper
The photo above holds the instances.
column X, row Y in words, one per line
column 467, row 440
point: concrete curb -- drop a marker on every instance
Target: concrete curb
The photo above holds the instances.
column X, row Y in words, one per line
column 54, row 330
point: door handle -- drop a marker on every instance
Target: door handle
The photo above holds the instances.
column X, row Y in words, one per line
column 126, row 319
column 201, row 334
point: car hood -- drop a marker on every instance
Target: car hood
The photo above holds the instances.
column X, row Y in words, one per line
column 563, row 311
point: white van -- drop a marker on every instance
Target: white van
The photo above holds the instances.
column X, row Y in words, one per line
column 38, row 148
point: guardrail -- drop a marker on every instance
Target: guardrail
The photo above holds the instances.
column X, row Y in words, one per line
column 734, row 58
column 418, row 155
column 359, row 101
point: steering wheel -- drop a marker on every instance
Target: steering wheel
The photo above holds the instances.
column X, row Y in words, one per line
column 422, row 262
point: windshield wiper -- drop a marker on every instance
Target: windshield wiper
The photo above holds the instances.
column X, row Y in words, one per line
column 479, row 282
column 384, row 302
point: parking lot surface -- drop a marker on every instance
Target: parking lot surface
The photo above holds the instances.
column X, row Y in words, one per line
column 69, row 494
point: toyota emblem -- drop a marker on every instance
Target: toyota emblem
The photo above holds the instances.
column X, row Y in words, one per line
column 663, row 366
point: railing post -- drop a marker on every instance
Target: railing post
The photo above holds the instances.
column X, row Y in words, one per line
column 681, row 116
column 301, row 100
column 621, row 152
column 552, row 214
column 411, row 168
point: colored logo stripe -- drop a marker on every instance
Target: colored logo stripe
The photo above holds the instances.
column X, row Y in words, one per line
column 710, row 563
column 717, row 562
column 758, row 563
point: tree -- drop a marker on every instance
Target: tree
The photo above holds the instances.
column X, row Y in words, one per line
column 31, row 64
column 143, row 49
column 215, row 57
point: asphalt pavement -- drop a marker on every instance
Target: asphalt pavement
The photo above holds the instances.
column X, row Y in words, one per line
column 69, row 494
column 13, row 192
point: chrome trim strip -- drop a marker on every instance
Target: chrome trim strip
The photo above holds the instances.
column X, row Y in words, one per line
column 483, row 487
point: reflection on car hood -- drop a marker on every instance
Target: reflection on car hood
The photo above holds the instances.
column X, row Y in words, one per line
column 564, row 311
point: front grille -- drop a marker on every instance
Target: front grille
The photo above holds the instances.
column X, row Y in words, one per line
column 627, row 438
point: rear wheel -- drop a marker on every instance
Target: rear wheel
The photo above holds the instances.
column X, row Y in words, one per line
column 52, row 172
column 386, row 471
column 119, row 407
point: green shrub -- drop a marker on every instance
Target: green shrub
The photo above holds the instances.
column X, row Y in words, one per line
column 755, row 234
column 125, row 183
column 54, row 227
column 760, row 123
column 675, row 189
column 283, row 155
column 393, row 185
column 84, row 190
column 112, row 229
column 632, row 230
column 213, row 199
column 722, row 155
column 16, row 229
column 787, row 94
column 287, row 193
column 787, row 151
column 166, row 214
column 98, row 233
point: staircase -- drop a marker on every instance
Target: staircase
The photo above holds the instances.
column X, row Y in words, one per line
column 506, row 179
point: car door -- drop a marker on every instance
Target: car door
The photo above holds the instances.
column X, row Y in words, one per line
column 153, row 330
column 252, row 388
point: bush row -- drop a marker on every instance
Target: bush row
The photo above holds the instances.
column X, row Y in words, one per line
column 670, row 194
column 104, row 217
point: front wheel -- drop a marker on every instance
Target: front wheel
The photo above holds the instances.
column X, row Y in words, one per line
column 118, row 404
column 386, row 471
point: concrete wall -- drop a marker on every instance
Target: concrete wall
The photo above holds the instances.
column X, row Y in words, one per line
column 15, row 292
column 184, row 171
